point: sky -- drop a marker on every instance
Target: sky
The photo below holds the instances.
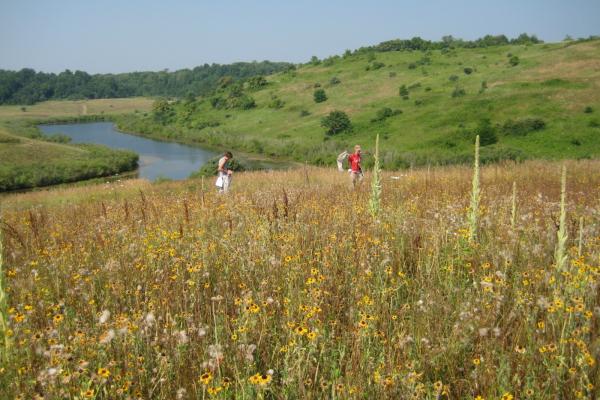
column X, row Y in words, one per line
column 110, row 36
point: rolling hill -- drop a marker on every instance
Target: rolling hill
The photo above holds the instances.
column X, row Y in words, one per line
column 531, row 100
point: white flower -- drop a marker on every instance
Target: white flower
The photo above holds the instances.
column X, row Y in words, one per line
column 104, row 317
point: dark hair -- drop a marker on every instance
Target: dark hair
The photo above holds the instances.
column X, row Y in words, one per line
column 228, row 154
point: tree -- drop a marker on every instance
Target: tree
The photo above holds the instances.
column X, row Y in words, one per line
column 319, row 96
column 336, row 122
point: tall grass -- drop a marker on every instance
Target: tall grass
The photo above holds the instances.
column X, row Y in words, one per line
column 375, row 200
column 4, row 331
column 286, row 290
column 560, row 255
column 475, row 196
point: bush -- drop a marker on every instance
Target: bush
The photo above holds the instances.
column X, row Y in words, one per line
column 412, row 66
column 243, row 102
column 453, row 78
column 210, row 168
column 392, row 74
column 336, row 122
column 276, row 103
column 319, row 96
column 514, row 61
column 458, row 92
column 594, row 124
column 256, row 82
column 374, row 66
column 588, row 110
column 428, row 89
column 334, row 81
column 314, row 60
column 385, row 113
column 486, row 132
column 468, row 70
column 403, row 91
column 522, row 127
column 418, row 102
column 304, row 113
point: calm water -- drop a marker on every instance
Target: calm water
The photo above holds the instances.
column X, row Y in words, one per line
column 157, row 159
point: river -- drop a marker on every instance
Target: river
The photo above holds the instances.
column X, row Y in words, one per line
column 157, row 159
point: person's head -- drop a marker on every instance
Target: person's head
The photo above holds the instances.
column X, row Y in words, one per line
column 228, row 154
column 357, row 149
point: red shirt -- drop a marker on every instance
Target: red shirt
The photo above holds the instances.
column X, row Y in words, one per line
column 354, row 161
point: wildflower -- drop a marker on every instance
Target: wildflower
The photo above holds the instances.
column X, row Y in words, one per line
column 205, row 378
column 214, row 390
column 438, row 385
column 529, row 392
column 58, row 318
column 88, row 394
column 507, row 396
column 476, row 361
column 104, row 317
column 520, row 349
column 103, row 372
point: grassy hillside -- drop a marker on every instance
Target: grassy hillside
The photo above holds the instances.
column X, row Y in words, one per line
column 27, row 160
column 287, row 288
column 552, row 84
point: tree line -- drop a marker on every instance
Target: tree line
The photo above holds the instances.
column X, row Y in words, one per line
column 28, row 86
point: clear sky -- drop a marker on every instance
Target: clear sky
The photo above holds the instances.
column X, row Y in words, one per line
column 133, row 35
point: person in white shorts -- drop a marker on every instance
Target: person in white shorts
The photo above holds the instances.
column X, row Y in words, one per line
column 224, row 173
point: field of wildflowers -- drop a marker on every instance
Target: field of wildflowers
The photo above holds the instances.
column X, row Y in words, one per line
column 290, row 287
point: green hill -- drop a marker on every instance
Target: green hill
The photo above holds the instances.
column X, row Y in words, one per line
column 541, row 100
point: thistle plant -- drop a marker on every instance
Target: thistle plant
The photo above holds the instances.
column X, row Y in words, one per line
column 4, row 335
column 560, row 254
column 475, row 195
column 375, row 200
column 513, row 213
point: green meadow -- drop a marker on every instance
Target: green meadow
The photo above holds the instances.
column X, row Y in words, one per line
column 545, row 106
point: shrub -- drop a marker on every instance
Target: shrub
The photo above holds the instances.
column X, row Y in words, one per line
column 514, row 61
column 334, row 81
column 453, row 78
column 412, row 66
column 392, row 74
column 428, row 89
column 210, row 168
column 374, row 66
column 522, row 127
column 458, row 92
column 319, row 96
column 336, row 122
column 486, row 132
column 385, row 113
column 276, row 103
column 483, row 86
column 468, row 70
column 317, row 85
column 256, row 82
column 415, row 86
column 588, row 110
column 418, row 102
column 594, row 124
column 314, row 60
column 243, row 102
column 403, row 91
column 304, row 113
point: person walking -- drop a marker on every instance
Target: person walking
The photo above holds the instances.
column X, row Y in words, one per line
column 224, row 172
column 354, row 160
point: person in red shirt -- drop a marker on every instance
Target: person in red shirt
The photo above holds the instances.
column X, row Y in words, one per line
column 354, row 160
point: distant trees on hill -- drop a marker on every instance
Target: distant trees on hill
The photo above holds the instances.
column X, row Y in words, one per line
column 28, row 86
column 417, row 43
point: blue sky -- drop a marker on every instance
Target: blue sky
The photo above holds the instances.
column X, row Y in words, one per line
column 134, row 35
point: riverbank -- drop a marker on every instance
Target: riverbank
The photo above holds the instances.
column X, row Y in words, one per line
column 62, row 162
column 29, row 159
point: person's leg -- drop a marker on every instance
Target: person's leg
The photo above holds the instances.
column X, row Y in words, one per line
column 226, row 179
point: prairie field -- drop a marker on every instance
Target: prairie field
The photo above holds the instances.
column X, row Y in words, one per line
column 288, row 287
